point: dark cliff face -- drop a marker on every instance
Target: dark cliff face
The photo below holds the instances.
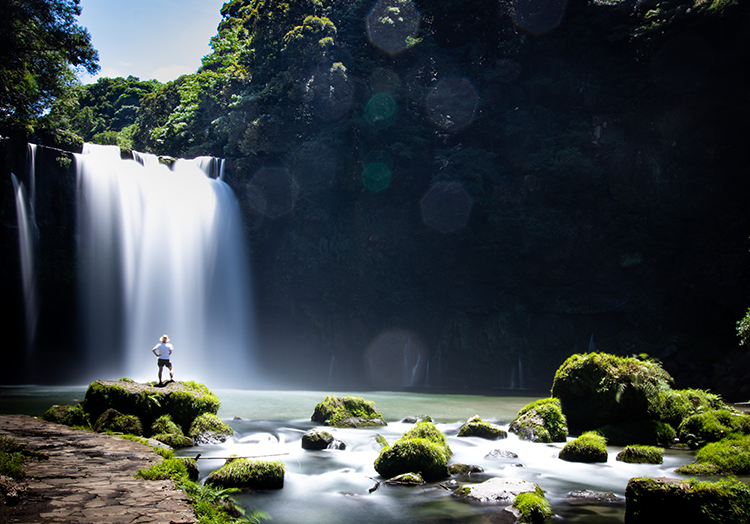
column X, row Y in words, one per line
column 466, row 200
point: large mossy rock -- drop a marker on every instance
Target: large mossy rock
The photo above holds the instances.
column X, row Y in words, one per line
column 644, row 432
column 183, row 401
column 207, row 428
column 68, row 415
column 541, row 421
column 114, row 421
column 675, row 405
column 347, row 412
column 476, row 427
column 249, row 474
column 422, row 449
column 596, row 389
column 712, row 426
column 659, row 500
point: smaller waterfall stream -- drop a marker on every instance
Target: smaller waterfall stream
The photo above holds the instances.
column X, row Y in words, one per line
column 26, row 237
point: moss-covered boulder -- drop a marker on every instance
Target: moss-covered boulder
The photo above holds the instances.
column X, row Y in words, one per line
column 173, row 440
column 533, row 507
column 68, row 415
column 643, row 432
column 417, row 455
column 316, row 439
column 589, row 447
column 347, row 412
column 113, row 420
column 727, row 457
column 249, row 474
column 428, row 430
column 596, row 389
column 406, row 479
column 183, row 401
column 464, row 469
column 713, row 426
column 641, row 455
column 541, row 421
column 476, row 427
column 651, row 500
column 209, row 429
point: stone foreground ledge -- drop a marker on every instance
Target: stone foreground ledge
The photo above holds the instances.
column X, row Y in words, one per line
column 88, row 479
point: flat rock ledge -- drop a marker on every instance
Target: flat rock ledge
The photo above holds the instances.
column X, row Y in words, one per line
column 88, row 479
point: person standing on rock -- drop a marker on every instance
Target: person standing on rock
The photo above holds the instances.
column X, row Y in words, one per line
column 163, row 350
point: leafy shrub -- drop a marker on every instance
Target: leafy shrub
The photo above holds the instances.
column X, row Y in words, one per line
column 476, row 427
column 541, row 421
column 415, row 455
column 641, row 455
column 589, row 447
column 728, row 457
column 712, row 426
column 673, row 406
column 165, row 424
column 645, row 432
column 596, row 389
column 246, row 473
column 534, row 508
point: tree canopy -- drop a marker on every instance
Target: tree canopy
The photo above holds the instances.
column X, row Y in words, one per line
column 40, row 44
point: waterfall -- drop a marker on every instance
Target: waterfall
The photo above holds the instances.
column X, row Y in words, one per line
column 330, row 370
column 521, row 384
column 26, row 237
column 161, row 251
column 409, row 376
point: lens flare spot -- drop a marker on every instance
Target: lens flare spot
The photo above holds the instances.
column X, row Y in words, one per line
column 392, row 25
column 452, row 103
column 539, row 16
column 272, row 192
column 384, row 80
column 380, row 110
column 376, row 177
column 446, row 206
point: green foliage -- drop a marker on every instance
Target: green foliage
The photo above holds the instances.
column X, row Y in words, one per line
column 11, row 459
column 743, row 328
column 165, row 424
column 114, row 421
column 589, row 447
column 68, row 415
column 534, row 508
column 712, row 426
column 417, row 455
column 173, row 440
column 638, row 454
column 673, row 406
column 541, row 421
column 597, row 389
column 727, row 457
column 476, row 427
column 247, row 473
column 347, row 412
column 41, row 43
column 645, row 432
column 428, row 430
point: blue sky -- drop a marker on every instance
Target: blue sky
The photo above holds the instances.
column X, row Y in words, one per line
column 160, row 39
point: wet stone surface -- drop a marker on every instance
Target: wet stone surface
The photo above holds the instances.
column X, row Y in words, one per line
column 88, row 478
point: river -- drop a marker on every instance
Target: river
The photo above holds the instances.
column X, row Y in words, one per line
column 336, row 486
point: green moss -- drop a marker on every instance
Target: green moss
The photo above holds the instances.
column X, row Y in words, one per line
column 644, row 432
column 416, row 455
column 712, row 426
column 428, row 430
column 168, row 469
column 165, row 424
column 589, row 447
column 533, row 507
column 347, row 412
column 541, row 421
column 114, row 421
column 173, row 440
column 209, row 428
column 727, row 457
column 687, row 500
column 596, row 389
column 641, row 455
column 73, row 416
column 246, row 473
column 674, row 406
column 476, row 427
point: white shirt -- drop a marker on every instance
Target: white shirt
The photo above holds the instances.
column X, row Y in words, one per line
column 163, row 349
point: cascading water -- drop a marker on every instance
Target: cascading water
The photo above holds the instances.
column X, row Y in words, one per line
column 26, row 236
column 161, row 251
